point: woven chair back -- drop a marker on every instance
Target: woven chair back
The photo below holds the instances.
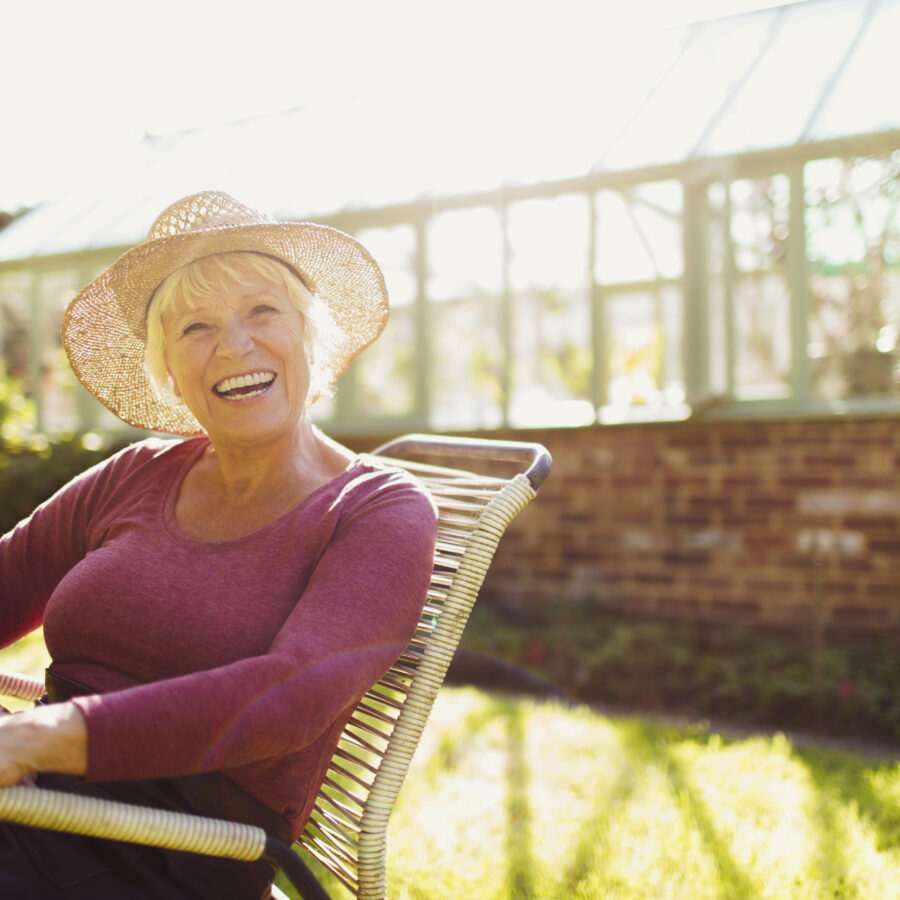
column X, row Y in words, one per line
column 347, row 833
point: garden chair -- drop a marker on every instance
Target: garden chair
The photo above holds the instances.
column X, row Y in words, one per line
column 348, row 829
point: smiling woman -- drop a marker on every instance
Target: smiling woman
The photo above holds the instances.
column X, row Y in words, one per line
column 211, row 569
column 231, row 328
column 203, row 280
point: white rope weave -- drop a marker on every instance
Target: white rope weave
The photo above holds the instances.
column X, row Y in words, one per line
column 496, row 516
column 24, row 687
column 61, row 811
column 348, row 831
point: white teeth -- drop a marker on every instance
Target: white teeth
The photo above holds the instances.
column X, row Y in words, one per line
column 243, row 381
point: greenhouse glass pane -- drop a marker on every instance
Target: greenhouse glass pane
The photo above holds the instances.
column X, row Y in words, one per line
column 548, row 242
column 656, row 208
column 15, row 316
column 759, row 233
column 549, row 267
column 394, row 250
column 385, row 373
column 680, row 109
column 59, row 389
column 774, row 103
column 639, row 234
column 464, row 253
column 864, row 99
column 644, row 365
column 853, row 252
column 465, row 284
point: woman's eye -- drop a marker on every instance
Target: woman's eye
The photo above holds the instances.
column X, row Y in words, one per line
column 194, row 328
column 262, row 309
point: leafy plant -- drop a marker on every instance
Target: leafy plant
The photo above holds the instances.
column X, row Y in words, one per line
column 32, row 468
column 740, row 673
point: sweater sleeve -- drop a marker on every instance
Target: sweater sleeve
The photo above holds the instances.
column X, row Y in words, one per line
column 36, row 555
column 357, row 613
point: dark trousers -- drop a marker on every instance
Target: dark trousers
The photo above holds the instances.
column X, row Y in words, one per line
column 37, row 864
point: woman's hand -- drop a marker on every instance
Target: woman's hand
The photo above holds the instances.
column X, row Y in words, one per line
column 49, row 738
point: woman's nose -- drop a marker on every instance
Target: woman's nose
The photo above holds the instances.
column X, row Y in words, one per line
column 234, row 340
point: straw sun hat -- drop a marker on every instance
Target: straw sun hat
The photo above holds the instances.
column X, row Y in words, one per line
column 104, row 329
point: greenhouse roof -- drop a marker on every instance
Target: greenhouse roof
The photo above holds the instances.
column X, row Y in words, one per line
column 782, row 77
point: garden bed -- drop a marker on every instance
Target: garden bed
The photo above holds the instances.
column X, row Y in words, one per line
column 751, row 677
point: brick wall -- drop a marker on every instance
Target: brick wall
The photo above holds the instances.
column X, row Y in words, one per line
column 776, row 523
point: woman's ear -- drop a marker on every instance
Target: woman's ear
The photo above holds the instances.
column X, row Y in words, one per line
column 175, row 389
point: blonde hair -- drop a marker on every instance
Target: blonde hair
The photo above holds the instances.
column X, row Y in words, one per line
column 207, row 277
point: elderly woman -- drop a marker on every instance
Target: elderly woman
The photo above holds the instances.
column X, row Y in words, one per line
column 216, row 605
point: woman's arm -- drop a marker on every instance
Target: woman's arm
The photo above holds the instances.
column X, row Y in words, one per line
column 49, row 738
column 37, row 554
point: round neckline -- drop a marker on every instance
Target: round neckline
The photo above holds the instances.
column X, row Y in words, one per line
column 170, row 522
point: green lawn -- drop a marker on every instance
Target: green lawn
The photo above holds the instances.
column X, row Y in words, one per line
column 515, row 799
column 28, row 656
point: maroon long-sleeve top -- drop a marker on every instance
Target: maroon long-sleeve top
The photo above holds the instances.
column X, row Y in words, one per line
column 244, row 656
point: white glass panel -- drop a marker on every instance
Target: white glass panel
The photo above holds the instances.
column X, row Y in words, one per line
column 15, row 316
column 385, row 373
column 465, row 268
column 853, row 249
column 639, row 234
column 644, row 349
column 464, row 253
column 656, row 208
column 548, row 242
column 59, row 387
column 784, row 86
column 759, row 233
column 394, row 249
column 549, row 267
column 670, row 123
column 864, row 99
column 763, row 346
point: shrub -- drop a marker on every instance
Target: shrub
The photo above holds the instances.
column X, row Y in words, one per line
column 32, row 468
column 745, row 674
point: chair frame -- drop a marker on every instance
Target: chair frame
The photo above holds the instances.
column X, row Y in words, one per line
column 347, row 832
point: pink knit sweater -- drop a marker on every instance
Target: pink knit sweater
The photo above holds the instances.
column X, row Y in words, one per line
column 244, row 656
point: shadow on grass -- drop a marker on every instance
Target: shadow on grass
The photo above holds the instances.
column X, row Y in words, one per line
column 650, row 749
column 841, row 782
column 593, row 850
column 519, row 818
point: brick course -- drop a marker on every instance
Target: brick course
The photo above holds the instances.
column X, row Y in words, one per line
column 770, row 523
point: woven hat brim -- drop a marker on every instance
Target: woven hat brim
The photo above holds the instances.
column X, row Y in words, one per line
column 104, row 328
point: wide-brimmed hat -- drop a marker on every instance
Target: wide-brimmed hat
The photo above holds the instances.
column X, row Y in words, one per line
column 104, row 329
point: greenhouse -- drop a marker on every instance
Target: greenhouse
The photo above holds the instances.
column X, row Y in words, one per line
column 709, row 225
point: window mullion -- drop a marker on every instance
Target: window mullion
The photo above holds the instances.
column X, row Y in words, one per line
column 798, row 287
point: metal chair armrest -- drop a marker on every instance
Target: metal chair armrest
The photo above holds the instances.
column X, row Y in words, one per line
column 422, row 446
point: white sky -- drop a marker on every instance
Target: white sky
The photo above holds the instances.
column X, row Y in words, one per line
column 82, row 80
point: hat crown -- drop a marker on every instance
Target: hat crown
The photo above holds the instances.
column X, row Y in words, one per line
column 203, row 212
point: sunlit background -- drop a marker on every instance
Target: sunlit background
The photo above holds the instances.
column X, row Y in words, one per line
column 467, row 82
column 587, row 212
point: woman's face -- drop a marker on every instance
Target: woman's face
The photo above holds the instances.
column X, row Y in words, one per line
column 238, row 362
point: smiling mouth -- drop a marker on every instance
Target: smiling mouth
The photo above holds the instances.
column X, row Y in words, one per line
column 242, row 387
